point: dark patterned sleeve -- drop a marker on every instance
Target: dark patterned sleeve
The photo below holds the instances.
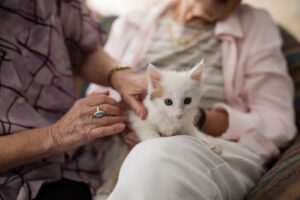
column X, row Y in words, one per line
column 82, row 32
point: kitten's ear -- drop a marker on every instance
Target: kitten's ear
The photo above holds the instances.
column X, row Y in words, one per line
column 154, row 76
column 197, row 72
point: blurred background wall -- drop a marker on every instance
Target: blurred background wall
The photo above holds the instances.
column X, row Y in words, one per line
column 284, row 12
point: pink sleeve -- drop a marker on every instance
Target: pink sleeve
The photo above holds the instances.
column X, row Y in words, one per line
column 267, row 89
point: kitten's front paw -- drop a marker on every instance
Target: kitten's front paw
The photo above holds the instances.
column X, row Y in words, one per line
column 215, row 147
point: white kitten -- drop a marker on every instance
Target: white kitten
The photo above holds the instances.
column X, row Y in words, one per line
column 172, row 103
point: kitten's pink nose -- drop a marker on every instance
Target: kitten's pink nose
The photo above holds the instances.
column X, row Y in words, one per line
column 179, row 114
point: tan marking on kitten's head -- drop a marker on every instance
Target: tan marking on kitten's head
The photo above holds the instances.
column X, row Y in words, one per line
column 157, row 92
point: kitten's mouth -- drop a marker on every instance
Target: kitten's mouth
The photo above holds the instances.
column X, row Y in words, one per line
column 177, row 118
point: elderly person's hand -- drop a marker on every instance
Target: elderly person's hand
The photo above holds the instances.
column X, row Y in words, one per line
column 215, row 122
column 132, row 88
column 130, row 138
column 78, row 126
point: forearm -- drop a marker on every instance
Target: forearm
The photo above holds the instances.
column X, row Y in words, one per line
column 25, row 147
column 97, row 66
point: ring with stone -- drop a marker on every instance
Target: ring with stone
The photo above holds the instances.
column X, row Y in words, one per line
column 99, row 113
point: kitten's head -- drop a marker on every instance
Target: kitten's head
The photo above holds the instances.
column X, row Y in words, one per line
column 175, row 93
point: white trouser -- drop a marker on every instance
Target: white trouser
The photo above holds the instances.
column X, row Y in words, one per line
column 181, row 168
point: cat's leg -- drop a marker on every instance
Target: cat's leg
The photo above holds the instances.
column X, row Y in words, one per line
column 117, row 155
column 142, row 129
column 146, row 133
column 193, row 131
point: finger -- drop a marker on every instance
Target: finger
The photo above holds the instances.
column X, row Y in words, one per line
column 111, row 109
column 98, row 98
column 136, row 106
column 107, row 130
column 143, row 86
column 131, row 134
column 133, row 137
column 123, row 106
column 129, row 143
column 107, row 121
column 106, row 92
column 107, row 108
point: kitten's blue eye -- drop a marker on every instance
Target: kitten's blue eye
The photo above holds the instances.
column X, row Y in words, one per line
column 168, row 102
column 187, row 100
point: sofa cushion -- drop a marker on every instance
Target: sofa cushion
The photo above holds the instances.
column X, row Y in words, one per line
column 282, row 181
column 291, row 49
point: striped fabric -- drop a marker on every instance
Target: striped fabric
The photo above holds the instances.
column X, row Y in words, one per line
column 282, row 181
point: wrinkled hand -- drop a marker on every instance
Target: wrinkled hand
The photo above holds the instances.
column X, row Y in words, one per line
column 78, row 127
column 130, row 138
column 132, row 88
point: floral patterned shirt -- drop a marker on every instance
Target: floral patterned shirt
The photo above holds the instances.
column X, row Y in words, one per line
column 40, row 43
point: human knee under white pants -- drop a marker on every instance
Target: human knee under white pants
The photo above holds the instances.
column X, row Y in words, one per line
column 180, row 167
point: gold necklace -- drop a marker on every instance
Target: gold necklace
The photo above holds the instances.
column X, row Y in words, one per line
column 178, row 41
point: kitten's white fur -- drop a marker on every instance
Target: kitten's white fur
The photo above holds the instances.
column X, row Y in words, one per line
column 164, row 120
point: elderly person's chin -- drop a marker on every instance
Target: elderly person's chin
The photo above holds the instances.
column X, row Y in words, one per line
column 196, row 21
column 195, row 12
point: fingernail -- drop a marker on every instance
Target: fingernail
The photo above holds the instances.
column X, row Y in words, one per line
column 141, row 114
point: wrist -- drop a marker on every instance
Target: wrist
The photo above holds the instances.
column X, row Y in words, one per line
column 114, row 72
column 52, row 141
